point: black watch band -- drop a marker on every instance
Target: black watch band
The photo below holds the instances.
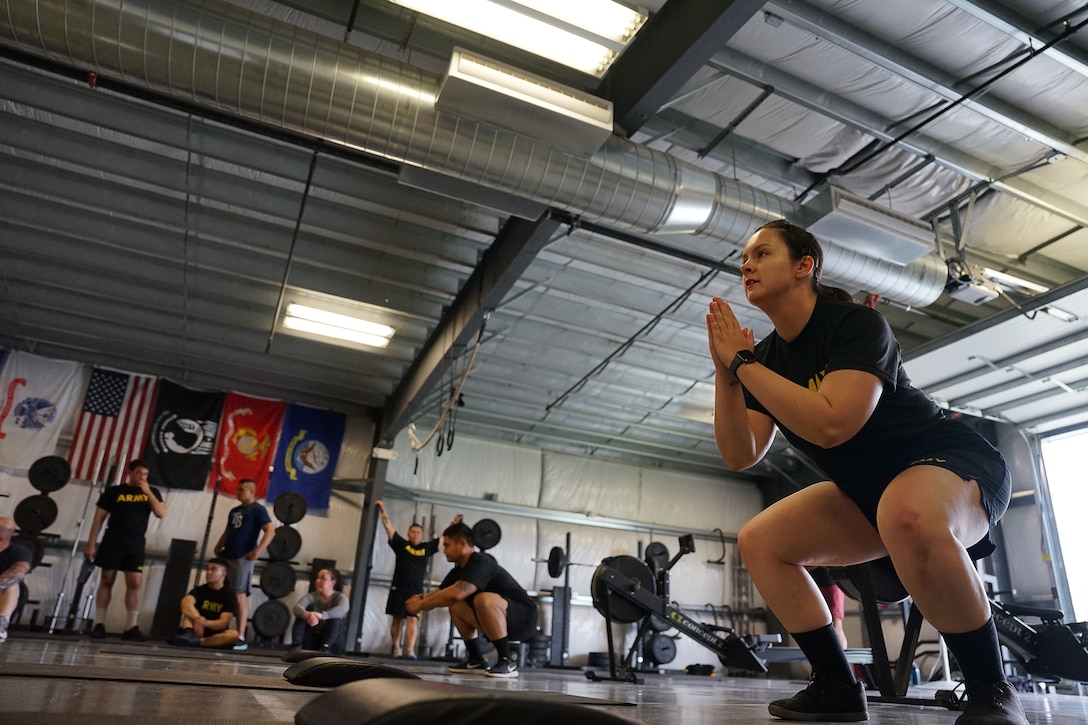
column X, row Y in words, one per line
column 743, row 357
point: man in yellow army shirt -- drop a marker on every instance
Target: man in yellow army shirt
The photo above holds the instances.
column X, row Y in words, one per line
column 128, row 506
column 206, row 611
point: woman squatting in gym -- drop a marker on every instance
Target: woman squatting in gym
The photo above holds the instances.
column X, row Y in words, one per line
column 906, row 481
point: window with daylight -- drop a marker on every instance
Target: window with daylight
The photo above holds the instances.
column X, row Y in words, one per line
column 1063, row 461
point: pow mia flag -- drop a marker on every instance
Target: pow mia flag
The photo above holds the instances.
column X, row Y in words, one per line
column 181, row 440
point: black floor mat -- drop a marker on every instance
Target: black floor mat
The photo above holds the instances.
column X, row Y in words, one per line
column 163, row 677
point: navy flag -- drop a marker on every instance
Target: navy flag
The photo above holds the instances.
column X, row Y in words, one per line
column 306, row 457
column 181, row 440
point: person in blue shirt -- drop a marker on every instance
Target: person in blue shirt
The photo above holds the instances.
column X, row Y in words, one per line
column 249, row 531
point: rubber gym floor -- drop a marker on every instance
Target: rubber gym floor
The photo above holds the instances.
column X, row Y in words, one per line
column 69, row 679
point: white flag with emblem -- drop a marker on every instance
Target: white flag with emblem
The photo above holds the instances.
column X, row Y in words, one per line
column 37, row 397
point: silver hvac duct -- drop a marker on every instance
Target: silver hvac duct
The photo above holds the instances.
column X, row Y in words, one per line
column 240, row 62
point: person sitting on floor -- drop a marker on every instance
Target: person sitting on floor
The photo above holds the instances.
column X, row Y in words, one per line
column 207, row 611
column 15, row 563
column 319, row 615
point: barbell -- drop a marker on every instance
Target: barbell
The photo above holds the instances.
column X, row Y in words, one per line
column 557, row 562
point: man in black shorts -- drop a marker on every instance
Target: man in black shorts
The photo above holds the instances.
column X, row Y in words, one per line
column 412, row 555
column 207, row 610
column 128, row 506
column 481, row 596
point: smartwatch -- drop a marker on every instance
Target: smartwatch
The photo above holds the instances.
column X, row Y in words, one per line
column 743, row 357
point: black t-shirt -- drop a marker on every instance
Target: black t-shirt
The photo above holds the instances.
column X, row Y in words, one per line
column 904, row 427
column 485, row 573
column 411, row 563
column 13, row 554
column 128, row 508
column 211, row 603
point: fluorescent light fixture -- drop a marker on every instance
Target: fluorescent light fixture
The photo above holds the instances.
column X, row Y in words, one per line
column 483, row 89
column 583, row 34
column 1059, row 313
column 316, row 321
column 1009, row 280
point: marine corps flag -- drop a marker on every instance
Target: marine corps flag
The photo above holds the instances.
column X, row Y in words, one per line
column 181, row 440
column 37, row 396
column 247, row 442
column 307, row 453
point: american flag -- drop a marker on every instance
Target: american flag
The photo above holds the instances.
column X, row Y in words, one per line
column 113, row 425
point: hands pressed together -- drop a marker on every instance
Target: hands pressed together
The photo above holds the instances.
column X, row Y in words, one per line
column 725, row 334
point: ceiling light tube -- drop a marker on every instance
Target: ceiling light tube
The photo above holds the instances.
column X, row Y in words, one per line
column 337, row 333
column 1059, row 313
column 1013, row 281
column 523, row 27
column 337, row 321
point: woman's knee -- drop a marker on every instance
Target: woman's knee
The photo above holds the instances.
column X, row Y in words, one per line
column 755, row 539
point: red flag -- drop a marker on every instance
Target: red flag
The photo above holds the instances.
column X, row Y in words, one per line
column 247, row 441
column 113, row 425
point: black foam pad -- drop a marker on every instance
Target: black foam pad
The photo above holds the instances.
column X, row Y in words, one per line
column 336, row 671
column 297, row 654
column 423, row 702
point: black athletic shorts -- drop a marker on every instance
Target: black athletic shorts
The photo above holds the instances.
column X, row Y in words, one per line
column 120, row 552
column 520, row 621
column 970, row 458
column 394, row 605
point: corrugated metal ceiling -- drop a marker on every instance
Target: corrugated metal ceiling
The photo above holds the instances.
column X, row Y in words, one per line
column 155, row 235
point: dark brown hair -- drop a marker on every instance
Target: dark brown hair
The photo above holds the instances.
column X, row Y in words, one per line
column 802, row 243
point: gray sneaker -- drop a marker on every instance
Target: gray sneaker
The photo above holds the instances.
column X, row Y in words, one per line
column 470, row 667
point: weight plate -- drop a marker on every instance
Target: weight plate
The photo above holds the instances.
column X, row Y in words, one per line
column 657, row 556
column 270, row 620
column 49, row 474
column 557, row 562
column 278, row 579
column 35, row 513
column 285, row 545
column 662, row 648
column 610, row 603
column 886, row 584
column 659, row 623
column 486, row 534
column 290, row 507
column 32, row 544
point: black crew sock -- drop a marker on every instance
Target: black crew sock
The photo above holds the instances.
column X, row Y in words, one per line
column 474, row 651
column 978, row 653
column 502, row 647
column 825, row 653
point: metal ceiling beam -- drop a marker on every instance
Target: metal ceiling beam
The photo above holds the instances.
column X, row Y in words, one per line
column 693, row 134
column 1063, row 389
column 881, row 54
column 669, row 49
column 500, row 267
column 1041, row 375
column 850, row 114
column 1024, row 30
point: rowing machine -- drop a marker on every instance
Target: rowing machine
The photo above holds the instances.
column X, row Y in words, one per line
column 625, row 591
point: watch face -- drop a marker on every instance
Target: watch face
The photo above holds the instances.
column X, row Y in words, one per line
column 742, row 357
